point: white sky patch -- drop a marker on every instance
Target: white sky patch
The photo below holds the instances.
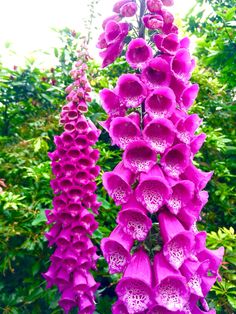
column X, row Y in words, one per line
column 26, row 25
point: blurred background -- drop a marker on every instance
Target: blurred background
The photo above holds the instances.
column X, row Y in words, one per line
column 38, row 46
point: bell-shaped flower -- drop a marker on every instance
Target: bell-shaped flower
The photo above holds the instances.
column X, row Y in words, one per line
column 118, row 5
column 182, row 193
column 138, row 53
column 197, row 143
column 119, row 308
column 160, row 103
column 187, row 127
column 197, row 176
column 215, row 258
column 198, row 280
column 178, row 243
column 129, row 9
column 156, row 73
column 134, row 220
column 167, row 43
column 67, row 300
column 135, row 288
column 154, row 6
column 139, row 156
column 114, row 17
column 115, row 31
column 188, row 96
column 110, row 101
column 153, row 21
column 182, row 65
column 86, row 304
column 190, row 213
column 175, row 160
column 118, row 183
column 153, row 190
column 124, row 130
column 157, row 309
column 171, row 287
column 160, row 133
column 116, row 250
column 131, row 90
column 113, row 51
column 51, row 275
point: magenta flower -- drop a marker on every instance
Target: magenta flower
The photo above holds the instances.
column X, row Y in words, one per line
column 187, row 127
column 167, row 43
column 110, row 101
column 129, row 9
column 116, row 250
column 176, row 160
column 134, row 289
column 188, row 96
column 197, row 176
column 134, row 220
column 119, row 308
column 182, row 193
column 153, row 190
column 178, row 243
column 139, row 156
column 160, row 133
column 154, row 6
column 131, row 90
column 138, row 53
column 156, row 73
column 153, row 21
column 118, row 5
column 182, row 65
column 125, row 130
column 171, row 288
column 160, row 103
column 117, row 183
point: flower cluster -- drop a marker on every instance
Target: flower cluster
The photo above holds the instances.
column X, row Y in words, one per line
column 156, row 181
column 74, row 205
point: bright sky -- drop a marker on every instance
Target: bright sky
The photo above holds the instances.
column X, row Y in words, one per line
column 26, row 25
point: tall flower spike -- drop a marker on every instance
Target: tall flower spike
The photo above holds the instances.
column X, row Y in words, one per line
column 74, row 167
column 156, row 181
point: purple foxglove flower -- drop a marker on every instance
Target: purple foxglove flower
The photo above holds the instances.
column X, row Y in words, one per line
column 171, row 288
column 160, row 133
column 114, row 30
column 157, row 309
column 138, row 53
column 62, row 279
column 153, row 190
column 131, row 90
column 64, row 238
column 156, row 73
column 53, row 233
column 188, row 96
column 116, row 250
column 187, row 127
column 153, row 21
column 119, row 308
column 181, row 64
column 50, row 275
column 154, row 6
column 111, row 53
column 167, row 43
column 134, row 220
column 178, row 243
column 197, row 176
column 176, row 160
column 128, row 9
column 134, row 289
column 139, row 156
column 110, row 102
column 118, row 183
column 198, row 280
column 68, row 300
column 86, row 304
column 160, row 103
column 117, row 6
column 190, row 213
column 101, row 44
column 182, row 193
column 124, row 130
column 79, row 281
column 197, row 143
column 215, row 258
